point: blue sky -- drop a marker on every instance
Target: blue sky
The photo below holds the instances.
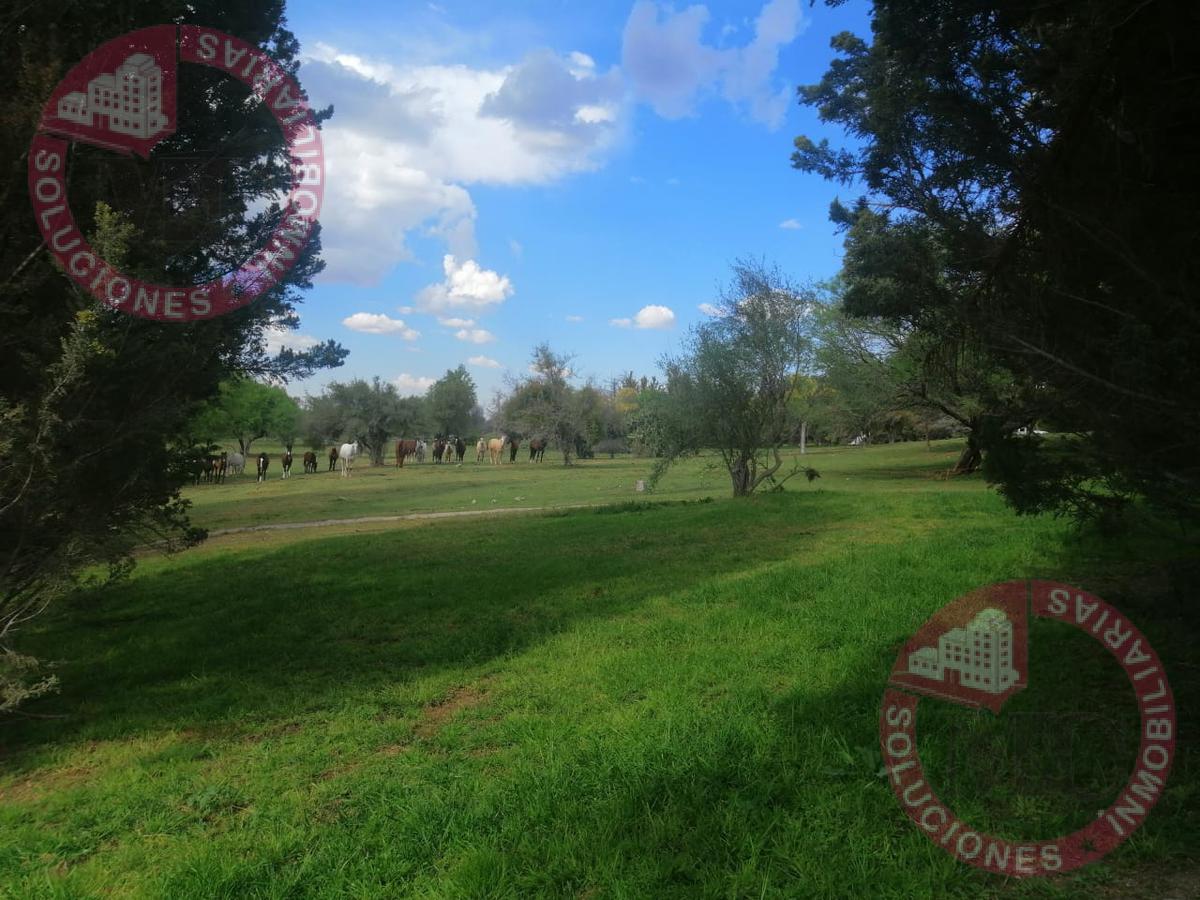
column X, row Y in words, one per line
column 505, row 173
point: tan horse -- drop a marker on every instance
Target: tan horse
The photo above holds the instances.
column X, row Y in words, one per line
column 480, row 450
column 495, row 447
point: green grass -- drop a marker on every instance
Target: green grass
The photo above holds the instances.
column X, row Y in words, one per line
column 671, row 699
column 386, row 490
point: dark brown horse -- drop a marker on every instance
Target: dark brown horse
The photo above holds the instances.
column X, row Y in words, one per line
column 513, row 446
column 537, row 449
column 403, row 449
column 333, row 459
column 310, row 463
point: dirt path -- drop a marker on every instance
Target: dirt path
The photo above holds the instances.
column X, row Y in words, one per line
column 364, row 520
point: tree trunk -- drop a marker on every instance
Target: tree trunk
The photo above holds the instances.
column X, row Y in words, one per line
column 971, row 456
column 803, row 438
column 739, row 474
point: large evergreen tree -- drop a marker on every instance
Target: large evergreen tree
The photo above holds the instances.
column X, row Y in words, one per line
column 1030, row 178
column 94, row 404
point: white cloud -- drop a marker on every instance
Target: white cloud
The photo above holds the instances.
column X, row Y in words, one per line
column 466, row 286
column 574, row 318
column 664, row 55
column 377, row 323
column 280, row 338
column 409, row 140
column 654, row 317
column 709, row 310
column 791, row 224
column 412, row 385
column 456, row 322
column 484, row 361
column 475, row 335
column 406, row 310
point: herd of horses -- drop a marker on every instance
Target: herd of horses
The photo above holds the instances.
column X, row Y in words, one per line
column 214, row 468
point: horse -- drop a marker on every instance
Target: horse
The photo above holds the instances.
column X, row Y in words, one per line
column 460, row 449
column 333, row 459
column 495, row 448
column 512, row 449
column 237, row 464
column 220, row 465
column 403, row 449
column 263, row 462
column 310, row 463
column 448, row 452
column 421, row 448
column 287, row 463
column 439, row 447
column 346, row 454
column 480, row 450
column 537, row 449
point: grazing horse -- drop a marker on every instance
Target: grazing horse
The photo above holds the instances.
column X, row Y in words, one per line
column 237, row 464
column 512, row 449
column 287, row 463
column 310, row 463
column 537, row 449
column 403, row 449
column 263, row 462
column 460, row 449
column 480, row 450
column 333, row 459
column 346, row 454
column 495, row 448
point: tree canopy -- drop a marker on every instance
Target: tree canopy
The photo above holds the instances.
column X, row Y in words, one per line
column 1029, row 182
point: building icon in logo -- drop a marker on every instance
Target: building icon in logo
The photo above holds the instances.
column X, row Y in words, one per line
column 130, row 98
column 981, row 654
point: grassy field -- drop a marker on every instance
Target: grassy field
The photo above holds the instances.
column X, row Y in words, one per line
column 669, row 696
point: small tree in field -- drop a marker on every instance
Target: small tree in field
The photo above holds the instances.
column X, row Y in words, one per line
column 546, row 404
column 731, row 386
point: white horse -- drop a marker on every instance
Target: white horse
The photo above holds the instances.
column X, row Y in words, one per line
column 480, row 450
column 346, row 455
column 421, row 448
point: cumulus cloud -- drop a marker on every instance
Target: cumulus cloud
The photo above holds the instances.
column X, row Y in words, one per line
column 654, row 317
column 709, row 310
column 485, row 362
column 408, row 141
column 475, row 335
column 791, row 224
column 466, row 286
column 412, row 385
column 378, row 323
column 664, row 55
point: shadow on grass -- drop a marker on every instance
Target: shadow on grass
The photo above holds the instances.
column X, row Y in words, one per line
column 230, row 641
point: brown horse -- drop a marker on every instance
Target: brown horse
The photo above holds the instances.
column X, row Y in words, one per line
column 537, row 449
column 514, row 445
column 333, row 459
column 310, row 463
column 405, row 448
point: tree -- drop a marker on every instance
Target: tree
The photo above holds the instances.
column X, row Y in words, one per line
column 731, row 386
column 545, row 404
column 1030, row 194
column 451, row 405
column 247, row 410
column 373, row 412
column 95, row 405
